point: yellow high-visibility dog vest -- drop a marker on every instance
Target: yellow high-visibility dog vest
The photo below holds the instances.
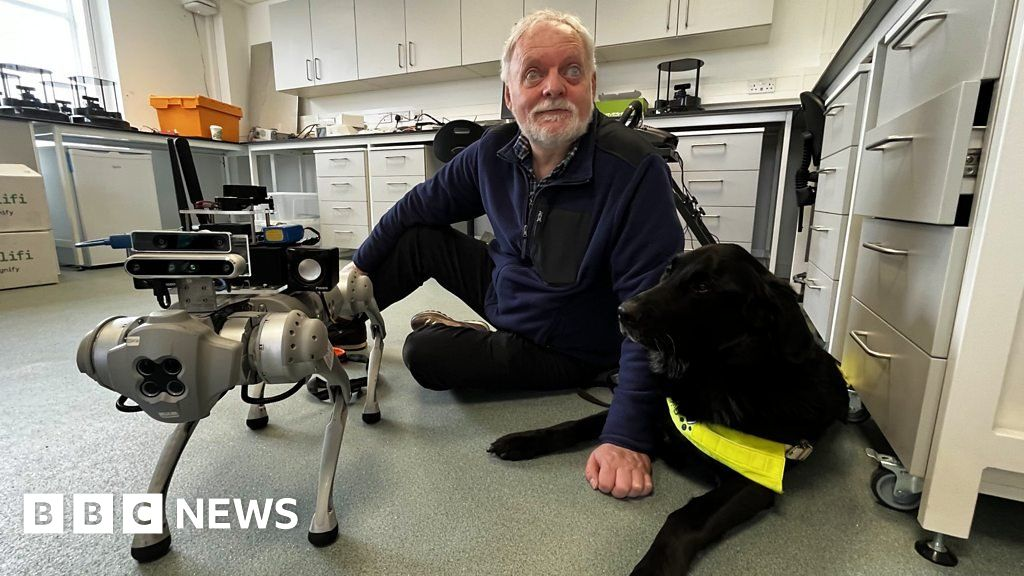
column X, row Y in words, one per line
column 762, row 461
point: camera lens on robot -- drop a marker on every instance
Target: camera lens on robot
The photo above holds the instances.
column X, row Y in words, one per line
column 160, row 241
column 175, row 388
column 171, row 365
column 146, row 366
column 150, row 388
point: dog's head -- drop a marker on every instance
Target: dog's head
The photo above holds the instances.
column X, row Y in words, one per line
column 708, row 299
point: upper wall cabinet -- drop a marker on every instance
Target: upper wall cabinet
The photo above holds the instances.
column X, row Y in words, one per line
column 485, row 26
column 398, row 36
column 621, row 22
column 314, row 42
column 699, row 16
column 585, row 10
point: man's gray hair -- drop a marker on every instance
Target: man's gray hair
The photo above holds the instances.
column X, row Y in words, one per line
column 526, row 23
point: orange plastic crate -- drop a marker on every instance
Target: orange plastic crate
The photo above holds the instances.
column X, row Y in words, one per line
column 193, row 116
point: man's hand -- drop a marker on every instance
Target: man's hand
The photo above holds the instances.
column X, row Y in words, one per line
column 619, row 471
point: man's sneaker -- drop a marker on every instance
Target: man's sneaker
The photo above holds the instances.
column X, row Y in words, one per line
column 430, row 317
column 348, row 334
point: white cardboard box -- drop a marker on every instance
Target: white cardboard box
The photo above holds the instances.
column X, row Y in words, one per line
column 27, row 259
column 22, row 200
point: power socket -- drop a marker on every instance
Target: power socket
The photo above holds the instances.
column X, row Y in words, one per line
column 762, row 86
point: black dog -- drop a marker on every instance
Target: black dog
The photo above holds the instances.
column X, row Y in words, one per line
column 735, row 350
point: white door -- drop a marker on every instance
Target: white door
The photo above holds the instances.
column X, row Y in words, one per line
column 432, row 34
column 485, row 26
column 699, row 16
column 333, row 23
column 116, row 193
column 292, row 44
column 585, row 10
column 380, row 35
column 621, row 22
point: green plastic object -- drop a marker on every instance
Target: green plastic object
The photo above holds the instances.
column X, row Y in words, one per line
column 614, row 108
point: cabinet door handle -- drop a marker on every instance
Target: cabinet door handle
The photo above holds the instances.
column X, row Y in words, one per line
column 316, row 68
column 708, row 180
column 344, row 232
column 309, row 75
column 833, row 110
column 827, row 170
column 883, row 250
column 686, row 23
column 395, row 158
column 821, row 229
column 342, row 208
column 706, row 144
column 396, row 183
column 712, row 216
column 341, row 184
column 857, row 335
column 412, row 52
column 668, row 15
column 400, row 56
column 897, row 42
column 339, row 159
column 811, row 283
column 881, row 144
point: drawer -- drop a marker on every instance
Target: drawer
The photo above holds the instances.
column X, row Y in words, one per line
column 341, row 163
column 827, row 233
column 725, row 150
column 843, row 115
column 910, row 276
column 898, row 383
column 343, row 213
column 343, row 235
column 943, row 43
column 912, row 168
column 342, row 188
column 835, row 182
column 377, row 209
column 730, row 224
column 397, row 162
column 820, row 299
column 392, row 188
column 723, row 188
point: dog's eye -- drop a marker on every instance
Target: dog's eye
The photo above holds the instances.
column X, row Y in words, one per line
column 701, row 288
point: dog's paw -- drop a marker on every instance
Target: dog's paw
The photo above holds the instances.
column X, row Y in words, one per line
column 521, row 445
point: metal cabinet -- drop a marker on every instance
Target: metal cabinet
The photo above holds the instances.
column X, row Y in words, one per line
column 314, row 42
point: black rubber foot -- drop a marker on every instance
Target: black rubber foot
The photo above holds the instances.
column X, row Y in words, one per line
column 321, row 539
column 258, row 423
column 371, row 417
column 946, row 558
column 152, row 552
column 858, row 416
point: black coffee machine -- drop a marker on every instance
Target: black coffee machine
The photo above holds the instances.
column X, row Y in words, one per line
column 680, row 100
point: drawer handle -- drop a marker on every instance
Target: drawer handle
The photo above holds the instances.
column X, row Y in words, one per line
column 342, row 208
column 884, row 250
column 395, row 158
column 881, row 144
column 810, row 283
column 341, row 183
column 707, row 180
column 707, row 144
column 712, row 216
column 820, row 229
column 898, row 41
column 344, row 232
column 339, row 159
column 396, row 183
column 834, row 110
column 857, row 335
column 827, row 170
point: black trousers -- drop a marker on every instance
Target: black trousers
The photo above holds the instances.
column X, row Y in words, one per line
column 444, row 357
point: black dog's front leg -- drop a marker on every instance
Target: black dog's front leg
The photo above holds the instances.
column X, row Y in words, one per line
column 702, row 521
column 534, row 443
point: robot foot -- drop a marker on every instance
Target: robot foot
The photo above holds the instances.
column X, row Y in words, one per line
column 153, row 551
column 321, row 539
column 258, row 423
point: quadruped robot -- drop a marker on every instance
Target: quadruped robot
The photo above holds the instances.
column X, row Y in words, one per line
column 175, row 364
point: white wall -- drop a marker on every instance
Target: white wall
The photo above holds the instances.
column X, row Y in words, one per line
column 804, row 36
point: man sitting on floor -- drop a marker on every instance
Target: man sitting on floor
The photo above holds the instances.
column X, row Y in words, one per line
column 583, row 219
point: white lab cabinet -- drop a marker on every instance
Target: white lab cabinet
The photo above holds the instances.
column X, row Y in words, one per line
column 314, row 42
column 585, row 10
column 621, row 22
column 94, row 192
column 396, row 37
column 700, row 16
column 485, row 26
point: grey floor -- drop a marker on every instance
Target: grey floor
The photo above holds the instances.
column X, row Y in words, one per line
column 416, row 494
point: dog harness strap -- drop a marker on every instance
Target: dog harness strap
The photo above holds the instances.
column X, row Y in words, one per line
column 757, row 459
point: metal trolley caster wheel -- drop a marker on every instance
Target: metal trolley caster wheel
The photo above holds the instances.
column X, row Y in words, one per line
column 856, row 412
column 883, row 486
column 321, row 539
column 936, row 552
column 152, row 552
column 258, row 423
column 371, row 417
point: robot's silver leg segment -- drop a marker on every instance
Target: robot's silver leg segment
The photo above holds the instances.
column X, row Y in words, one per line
column 323, row 529
column 149, row 547
column 371, row 409
column 258, row 417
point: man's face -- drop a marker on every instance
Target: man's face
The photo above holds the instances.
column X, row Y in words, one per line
column 550, row 88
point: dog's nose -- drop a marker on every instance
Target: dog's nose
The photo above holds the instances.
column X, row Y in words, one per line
column 629, row 313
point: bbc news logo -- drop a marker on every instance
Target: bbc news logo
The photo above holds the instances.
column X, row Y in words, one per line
column 144, row 513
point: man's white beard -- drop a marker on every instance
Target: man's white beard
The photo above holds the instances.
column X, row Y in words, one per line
column 540, row 133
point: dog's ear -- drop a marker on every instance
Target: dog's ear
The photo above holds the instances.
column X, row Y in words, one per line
column 775, row 314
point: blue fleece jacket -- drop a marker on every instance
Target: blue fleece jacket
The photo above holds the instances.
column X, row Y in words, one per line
column 600, row 232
